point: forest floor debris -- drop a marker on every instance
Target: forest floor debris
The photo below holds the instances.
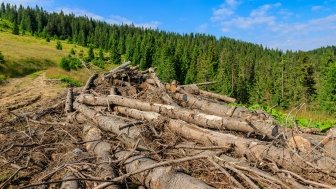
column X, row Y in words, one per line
column 127, row 129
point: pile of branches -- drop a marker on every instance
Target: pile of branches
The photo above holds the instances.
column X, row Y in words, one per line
column 127, row 129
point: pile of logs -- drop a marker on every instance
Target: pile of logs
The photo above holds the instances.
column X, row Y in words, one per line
column 127, row 129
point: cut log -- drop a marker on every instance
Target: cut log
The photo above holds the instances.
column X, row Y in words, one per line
column 89, row 82
column 111, row 124
column 163, row 95
column 153, row 117
column 209, row 121
column 331, row 135
column 69, row 101
column 162, row 89
column 218, row 96
column 220, row 109
column 73, row 184
column 113, row 90
column 124, row 65
column 256, row 151
column 209, row 107
column 160, row 177
column 102, row 150
column 191, row 89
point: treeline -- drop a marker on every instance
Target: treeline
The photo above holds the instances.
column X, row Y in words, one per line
column 246, row 71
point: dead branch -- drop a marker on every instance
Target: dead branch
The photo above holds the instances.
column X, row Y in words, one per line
column 89, row 82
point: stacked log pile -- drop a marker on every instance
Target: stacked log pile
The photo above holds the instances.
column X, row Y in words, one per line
column 127, row 129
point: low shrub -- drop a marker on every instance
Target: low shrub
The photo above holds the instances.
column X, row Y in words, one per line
column 70, row 63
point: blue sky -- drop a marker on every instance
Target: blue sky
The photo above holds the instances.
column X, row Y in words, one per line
column 294, row 25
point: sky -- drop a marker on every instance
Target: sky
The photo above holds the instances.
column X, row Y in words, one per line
column 285, row 25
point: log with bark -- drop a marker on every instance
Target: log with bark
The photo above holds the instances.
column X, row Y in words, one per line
column 205, row 120
column 160, row 177
column 157, row 135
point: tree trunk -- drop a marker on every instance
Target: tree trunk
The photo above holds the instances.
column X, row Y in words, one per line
column 69, row 101
column 218, row 96
column 221, row 109
column 89, row 82
column 160, row 177
column 102, row 150
column 256, row 151
column 253, row 150
column 69, row 184
column 209, row 121
column 163, row 95
column 110, row 74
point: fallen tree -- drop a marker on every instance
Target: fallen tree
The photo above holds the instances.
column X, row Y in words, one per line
column 157, row 135
column 205, row 120
column 248, row 148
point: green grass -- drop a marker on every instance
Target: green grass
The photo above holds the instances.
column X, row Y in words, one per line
column 289, row 119
column 25, row 54
column 70, row 82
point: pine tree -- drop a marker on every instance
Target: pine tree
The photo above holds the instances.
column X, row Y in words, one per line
column 59, row 45
column 15, row 28
column 114, row 56
column 327, row 91
column 90, row 54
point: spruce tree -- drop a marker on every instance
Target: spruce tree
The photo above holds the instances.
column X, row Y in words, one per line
column 90, row 54
column 16, row 28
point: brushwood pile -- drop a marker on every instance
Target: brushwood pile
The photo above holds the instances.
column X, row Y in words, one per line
column 128, row 129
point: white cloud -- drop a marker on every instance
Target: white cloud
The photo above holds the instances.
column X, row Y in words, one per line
column 152, row 24
column 232, row 3
column 202, row 28
column 225, row 10
column 285, row 13
column 80, row 12
column 270, row 25
column 317, row 8
column 114, row 19
column 227, row 19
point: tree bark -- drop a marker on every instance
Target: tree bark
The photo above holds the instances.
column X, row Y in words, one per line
column 208, row 140
column 163, row 95
column 102, row 150
column 162, row 89
column 220, row 109
column 256, row 151
column 110, row 74
column 205, row 120
column 161, row 177
column 218, row 96
column 69, row 101
column 69, row 184
column 89, row 82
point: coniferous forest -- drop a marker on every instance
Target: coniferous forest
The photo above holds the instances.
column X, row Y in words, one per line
column 249, row 72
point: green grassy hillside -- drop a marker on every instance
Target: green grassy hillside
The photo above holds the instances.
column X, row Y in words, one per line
column 25, row 54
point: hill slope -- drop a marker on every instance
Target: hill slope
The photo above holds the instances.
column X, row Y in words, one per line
column 26, row 54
